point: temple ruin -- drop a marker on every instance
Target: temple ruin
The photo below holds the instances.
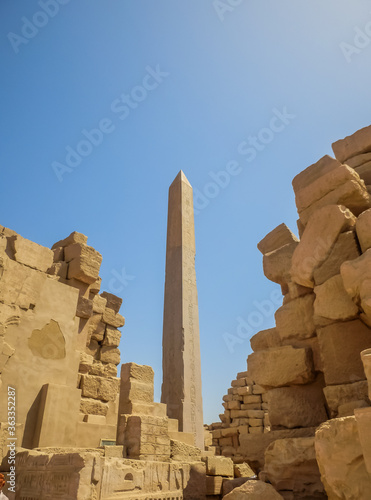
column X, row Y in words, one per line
column 297, row 418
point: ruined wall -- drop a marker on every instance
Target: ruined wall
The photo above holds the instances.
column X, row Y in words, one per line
column 310, row 362
column 58, row 343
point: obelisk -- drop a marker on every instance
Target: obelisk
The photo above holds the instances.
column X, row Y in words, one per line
column 181, row 361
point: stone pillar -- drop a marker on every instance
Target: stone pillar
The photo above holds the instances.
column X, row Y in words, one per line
column 181, row 386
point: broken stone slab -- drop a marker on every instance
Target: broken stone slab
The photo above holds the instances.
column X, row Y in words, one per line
column 254, row 490
column 277, row 264
column 84, row 262
column 31, row 254
column 333, row 302
column 319, row 188
column 323, row 229
column 353, row 145
column 352, row 194
column 74, row 237
column 338, row 395
column 110, row 354
column 340, row 459
column 345, row 248
column 341, row 345
column 295, row 319
column 112, row 318
column 363, row 229
column 297, row 406
column 243, row 470
column 277, row 238
column 265, row 339
column 290, row 465
column 315, row 171
column 112, row 337
column 219, row 466
column 281, row 366
column 366, row 360
column 99, row 304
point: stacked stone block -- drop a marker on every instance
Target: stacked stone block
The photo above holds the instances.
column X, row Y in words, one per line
column 245, row 412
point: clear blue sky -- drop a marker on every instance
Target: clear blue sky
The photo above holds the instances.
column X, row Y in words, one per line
column 175, row 85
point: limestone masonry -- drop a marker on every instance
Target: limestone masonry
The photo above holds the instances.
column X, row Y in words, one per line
column 297, row 419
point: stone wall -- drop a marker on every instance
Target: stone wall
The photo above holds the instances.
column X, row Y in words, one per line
column 58, row 343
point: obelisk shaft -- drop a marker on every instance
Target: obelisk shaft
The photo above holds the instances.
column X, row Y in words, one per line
column 181, row 386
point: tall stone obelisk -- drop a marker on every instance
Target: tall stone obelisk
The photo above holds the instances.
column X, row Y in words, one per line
column 181, row 361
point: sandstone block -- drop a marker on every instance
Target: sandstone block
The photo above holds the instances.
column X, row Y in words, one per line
column 112, row 318
column 113, row 302
column 254, row 490
column 290, row 465
column 358, row 160
column 366, row 360
column 71, row 239
column 337, row 395
column 99, row 304
column 112, row 337
column 219, row 466
column 313, row 172
column 352, row 194
column 363, row 419
column 340, row 459
column 243, row 470
column 297, row 406
column 345, row 248
column 110, row 355
column 93, row 349
column 319, row 188
column 58, row 254
column 277, row 238
column 265, row 339
column 31, row 254
column 332, row 301
column 255, row 414
column 96, row 327
column 256, row 430
column 252, row 398
column 363, row 229
column 141, row 373
column 364, row 172
column 59, row 269
column 341, row 345
column 353, row 145
column 214, row 485
column 295, row 319
column 84, row 262
column 105, row 389
column 255, row 422
column 322, row 231
column 277, row 264
column 281, row 366
column 84, row 308
column 103, row 369
column 347, row 409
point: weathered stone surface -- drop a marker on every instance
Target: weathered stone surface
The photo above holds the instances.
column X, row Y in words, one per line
column 352, row 194
column 183, row 452
column 230, row 484
column 91, row 406
column 219, row 466
column 243, row 470
column 356, row 275
column 295, row 319
column 345, row 248
column 353, row 145
column 277, row 238
column 74, row 237
column 297, row 406
column 84, row 262
column 112, row 318
column 112, row 337
column 323, row 185
column 341, row 345
column 254, row 490
column 312, row 344
column 31, row 254
column 366, row 360
column 59, row 269
column 96, row 327
column 363, row 229
column 142, row 373
column 347, row 409
column 364, row 171
column 340, row 459
column 99, row 304
column 281, row 366
column 314, row 172
column 181, row 384
column 337, row 395
column 213, row 485
column 358, row 160
column 113, row 302
column 322, row 231
column 277, row 264
column 103, row 369
column 84, row 308
column 363, row 419
column 265, row 339
column 290, row 464
column 105, row 389
column 332, row 301
column 110, row 355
